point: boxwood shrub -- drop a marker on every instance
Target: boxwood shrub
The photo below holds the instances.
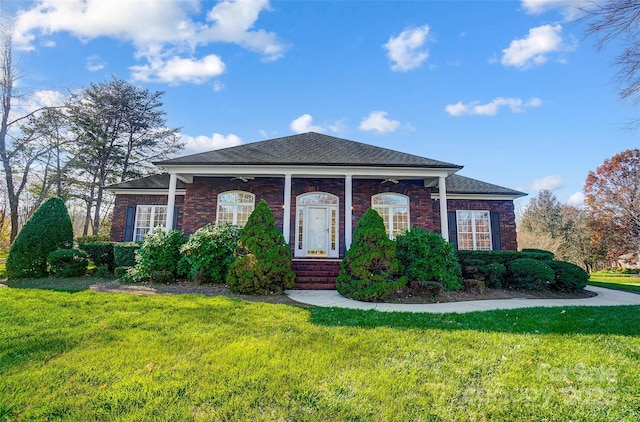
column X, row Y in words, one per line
column 100, row 253
column 124, row 254
column 529, row 274
column 540, row 254
column 568, row 277
column 426, row 256
column 68, row 263
column 493, row 274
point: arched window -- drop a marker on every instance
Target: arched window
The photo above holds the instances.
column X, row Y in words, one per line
column 394, row 210
column 235, row 207
column 317, row 225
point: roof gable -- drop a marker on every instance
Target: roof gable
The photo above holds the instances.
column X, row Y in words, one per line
column 308, row 149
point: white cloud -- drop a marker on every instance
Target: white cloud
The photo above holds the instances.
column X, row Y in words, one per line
column 569, row 8
column 516, row 105
column 377, row 121
column 407, row 51
column 304, row 124
column 218, row 86
column 176, row 70
column 95, row 63
column 577, row 199
column 547, row 183
column 196, row 144
column 161, row 32
column 535, row 48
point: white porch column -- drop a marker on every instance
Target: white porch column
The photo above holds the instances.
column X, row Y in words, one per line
column 444, row 220
column 348, row 203
column 286, row 220
column 171, row 201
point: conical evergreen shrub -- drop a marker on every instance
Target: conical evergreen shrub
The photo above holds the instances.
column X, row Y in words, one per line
column 262, row 262
column 370, row 270
column 48, row 229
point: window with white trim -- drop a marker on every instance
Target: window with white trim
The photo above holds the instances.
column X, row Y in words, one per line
column 394, row 210
column 474, row 230
column 149, row 218
column 235, row 207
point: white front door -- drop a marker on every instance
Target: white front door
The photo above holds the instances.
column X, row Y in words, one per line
column 317, row 230
column 318, row 233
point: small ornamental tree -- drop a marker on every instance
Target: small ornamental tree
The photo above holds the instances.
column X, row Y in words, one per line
column 48, row 229
column 369, row 270
column 262, row 262
column 426, row 256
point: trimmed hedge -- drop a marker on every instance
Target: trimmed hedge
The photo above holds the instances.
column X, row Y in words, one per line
column 568, row 277
column 124, row 254
column 68, row 263
column 100, row 253
column 529, row 274
column 540, row 254
column 48, row 229
column 426, row 256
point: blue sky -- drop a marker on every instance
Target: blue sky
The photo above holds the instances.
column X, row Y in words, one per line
column 510, row 89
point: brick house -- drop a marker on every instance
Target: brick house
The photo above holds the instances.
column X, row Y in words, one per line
column 317, row 187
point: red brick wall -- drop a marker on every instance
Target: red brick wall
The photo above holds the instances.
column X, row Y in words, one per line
column 504, row 207
column 198, row 206
column 124, row 201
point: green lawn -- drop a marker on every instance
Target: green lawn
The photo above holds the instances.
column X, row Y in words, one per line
column 616, row 281
column 85, row 356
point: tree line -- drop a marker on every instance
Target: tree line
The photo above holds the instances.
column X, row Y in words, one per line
column 596, row 235
column 105, row 133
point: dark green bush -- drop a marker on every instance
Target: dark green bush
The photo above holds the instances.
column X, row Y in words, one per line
column 68, row 263
column 100, row 253
column 93, row 238
column 500, row 257
column 568, row 277
column 493, row 274
column 426, row 256
column 370, row 270
column 471, row 268
column 120, row 272
column 262, row 263
column 124, row 254
column 529, row 274
column 208, row 253
column 160, row 251
column 540, row 254
column 48, row 229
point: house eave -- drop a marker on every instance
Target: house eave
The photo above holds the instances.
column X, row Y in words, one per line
column 120, row 191
column 479, row 196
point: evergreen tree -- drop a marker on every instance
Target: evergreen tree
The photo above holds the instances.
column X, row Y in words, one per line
column 47, row 230
column 370, row 269
column 262, row 262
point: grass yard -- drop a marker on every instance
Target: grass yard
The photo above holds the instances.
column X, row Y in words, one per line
column 85, row 356
column 616, row 281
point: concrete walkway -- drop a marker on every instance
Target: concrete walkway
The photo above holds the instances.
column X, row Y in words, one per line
column 331, row 298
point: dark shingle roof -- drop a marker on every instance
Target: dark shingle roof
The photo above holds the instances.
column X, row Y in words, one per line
column 467, row 185
column 308, row 149
column 155, row 181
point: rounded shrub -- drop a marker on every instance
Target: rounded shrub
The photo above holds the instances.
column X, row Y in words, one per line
column 370, row 270
column 540, row 254
column 208, row 253
column 159, row 254
column 493, row 274
column 262, row 263
column 68, row 263
column 426, row 256
column 568, row 277
column 529, row 274
column 48, row 229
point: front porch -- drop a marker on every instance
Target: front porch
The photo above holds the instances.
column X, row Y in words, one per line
column 315, row 273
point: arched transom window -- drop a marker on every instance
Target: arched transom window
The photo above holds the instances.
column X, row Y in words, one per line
column 317, row 225
column 394, row 210
column 235, row 207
